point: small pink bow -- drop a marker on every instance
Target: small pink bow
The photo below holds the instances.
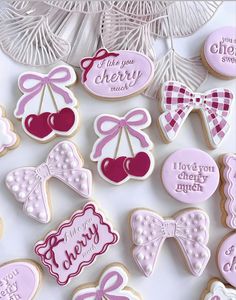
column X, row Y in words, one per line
column 178, row 101
column 32, row 84
column 190, row 229
column 88, row 62
column 110, row 288
column 28, row 184
column 135, row 118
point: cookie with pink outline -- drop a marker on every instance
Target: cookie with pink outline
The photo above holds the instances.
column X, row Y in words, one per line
column 8, row 138
column 29, row 184
column 116, row 75
column 47, row 107
column 111, row 285
column 218, row 291
column 229, row 189
column 19, row 279
column 190, row 229
column 76, row 243
column 122, row 150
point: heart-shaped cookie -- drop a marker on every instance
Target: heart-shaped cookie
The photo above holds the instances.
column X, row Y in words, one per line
column 19, row 279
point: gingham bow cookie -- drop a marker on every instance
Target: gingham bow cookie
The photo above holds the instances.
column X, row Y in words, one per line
column 178, row 101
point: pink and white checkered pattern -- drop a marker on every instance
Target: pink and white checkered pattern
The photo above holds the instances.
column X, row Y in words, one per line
column 178, row 101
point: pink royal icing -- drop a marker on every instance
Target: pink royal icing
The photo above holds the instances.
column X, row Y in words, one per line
column 229, row 174
column 178, row 101
column 220, row 51
column 116, row 74
column 190, row 175
column 227, row 259
column 76, row 243
column 190, row 228
column 28, row 184
column 18, row 280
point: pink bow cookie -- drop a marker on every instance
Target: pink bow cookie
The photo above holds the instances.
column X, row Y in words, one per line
column 28, row 184
column 190, row 228
column 178, row 101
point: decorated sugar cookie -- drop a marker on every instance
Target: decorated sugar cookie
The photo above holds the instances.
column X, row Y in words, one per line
column 218, row 291
column 29, row 184
column 219, row 53
column 229, row 189
column 76, row 243
column 122, row 150
column 19, row 279
column 190, row 229
column 227, row 258
column 190, row 175
column 47, row 107
column 8, row 138
column 178, row 101
column 112, row 285
column 116, row 74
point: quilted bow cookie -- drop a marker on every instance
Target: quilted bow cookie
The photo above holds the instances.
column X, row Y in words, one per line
column 19, row 279
column 218, row 291
column 123, row 150
column 29, row 184
column 190, row 229
column 8, row 138
column 112, row 285
column 228, row 189
column 116, row 75
column 226, row 258
column 76, row 243
column 178, row 101
column 47, row 107
column 190, row 175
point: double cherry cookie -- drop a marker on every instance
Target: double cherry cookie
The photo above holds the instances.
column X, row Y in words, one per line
column 47, row 107
column 124, row 135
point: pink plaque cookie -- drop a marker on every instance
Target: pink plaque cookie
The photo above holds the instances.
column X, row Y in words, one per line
column 227, row 259
column 116, row 74
column 19, row 279
column 190, row 228
column 190, row 175
column 219, row 52
column 29, row 184
column 229, row 189
column 76, row 243
column 123, row 150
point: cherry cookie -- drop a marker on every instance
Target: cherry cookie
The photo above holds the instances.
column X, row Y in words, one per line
column 218, row 291
column 76, row 243
column 189, row 227
column 178, row 101
column 117, row 74
column 112, row 285
column 8, row 138
column 19, row 279
column 131, row 147
column 47, row 107
column 190, row 175
column 29, row 184
column 228, row 171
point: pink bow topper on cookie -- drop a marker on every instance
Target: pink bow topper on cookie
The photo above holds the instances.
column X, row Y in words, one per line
column 178, row 101
column 32, row 84
column 111, row 287
column 28, row 184
column 88, row 62
column 133, row 121
column 190, row 228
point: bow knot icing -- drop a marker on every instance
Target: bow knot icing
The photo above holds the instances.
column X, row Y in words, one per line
column 45, row 80
column 169, row 228
column 43, row 171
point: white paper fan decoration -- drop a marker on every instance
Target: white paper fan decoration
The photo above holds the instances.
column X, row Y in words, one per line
column 174, row 67
column 185, row 17
column 29, row 39
column 80, row 6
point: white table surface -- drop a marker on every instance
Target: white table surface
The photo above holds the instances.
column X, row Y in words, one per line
column 171, row 279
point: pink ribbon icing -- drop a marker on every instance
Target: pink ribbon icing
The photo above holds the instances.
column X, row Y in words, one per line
column 52, row 79
column 118, row 125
